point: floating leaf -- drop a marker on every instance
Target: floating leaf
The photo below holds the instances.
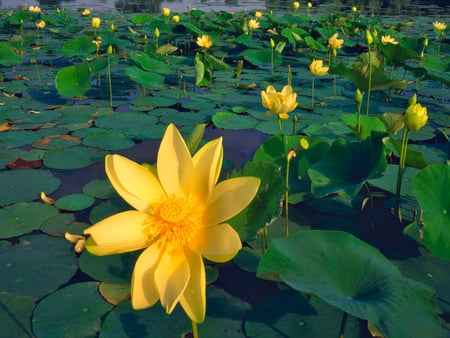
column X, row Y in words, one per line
column 233, row 121
column 115, row 293
column 15, row 315
column 74, row 202
column 73, row 158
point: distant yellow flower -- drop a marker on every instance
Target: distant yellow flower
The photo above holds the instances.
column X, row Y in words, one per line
column 316, row 67
column 334, row 42
column 166, row 11
column 296, row 5
column 34, row 9
column 309, row 5
column 253, row 24
column 388, row 39
column 415, row 117
column 40, row 24
column 440, row 26
column 86, row 12
column 176, row 18
column 279, row 103
column 157, row 34
column 179, row 218
column 258, row 14
column 354, row 9
column 95, row 22
column 204, row 41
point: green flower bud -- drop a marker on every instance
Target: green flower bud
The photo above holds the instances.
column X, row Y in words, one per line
column 358, row 96
column 369, row 37
column 239, row 67
column 272, row 43
column 413, row 100
column 415, row 117
column 425, row 42
column 109, row 50
column 156, row 33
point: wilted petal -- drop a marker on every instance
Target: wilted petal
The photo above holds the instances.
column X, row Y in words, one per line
column 229, row 197
column 218, row 243
column 174, row 165
column 121, row 232
column 144, row 292
column 207, row 165
column 171, row 278
column 135, row 184
column 193, row 299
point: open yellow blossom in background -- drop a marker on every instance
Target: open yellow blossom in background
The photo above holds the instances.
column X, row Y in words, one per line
column 179, row 218
column 166, row 11
column 86, row 12
column 334, row 42
column 253, row 24
column 40, row 24
column 204, row 41
column 258, row 14
column 34, row 9
column 279, row 103
column 388, row 39
column 440, row 26
column 95, row 22
column 316, row 67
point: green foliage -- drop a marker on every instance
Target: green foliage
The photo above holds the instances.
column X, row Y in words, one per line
column 73, row 80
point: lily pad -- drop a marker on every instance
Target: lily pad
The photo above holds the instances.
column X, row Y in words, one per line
column 15, row 314
column 233, row 121
column 108, row 140
column 73, row 158
column 74, row 202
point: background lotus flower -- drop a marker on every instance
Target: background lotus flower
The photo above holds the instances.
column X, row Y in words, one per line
column 34, row 9
column 415, row 117
column 279, row 103
column 317, row 68
column 166, row 11
column 440, row 26
column 334, row 42
column 204, row 41
column 95, row 22
column 253, row 24
column 40, row 24
column 176, row 18
column 296, row 5
column 388, row 39
column 179, row 217
column 86, row 12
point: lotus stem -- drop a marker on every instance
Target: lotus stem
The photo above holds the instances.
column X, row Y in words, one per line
column 290, row 155
column 289, row 77
column 343, row 323
column 369, row 84
column 194, row 329
column 109, row 80
column 294, row 125
column 279, row 125
column 264, row 240
column 312, row 93
column 401, row 170
column 272, row 59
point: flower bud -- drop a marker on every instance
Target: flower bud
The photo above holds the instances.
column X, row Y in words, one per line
column 369, row 37
column 109, row 50
column 354, row 9
column 291, row 154
column 112, row 27
column 412, row 100
column 239, row 66
column 375, row 33
column 166, row 12
column 156, row 33
column 415, row 117
column 358, row 96
column 309, row 5
column 46, row 199
column 272, row 43
column 176, row 18
column 304, row 144
column 95, row 22
column 296, row 5
column 425, row 42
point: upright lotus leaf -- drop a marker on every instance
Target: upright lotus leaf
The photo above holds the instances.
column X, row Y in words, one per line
column 146, row 62
column 358, row 74
column 73, row 80
column 263, row 57
column 346, row 166
column 356, row 278
column 203, row 73
column 438, row 69
column 314, row 44
column 143, row 77
column 431, row 188
column 8, row 56
column 80, row 46
column 397, row 54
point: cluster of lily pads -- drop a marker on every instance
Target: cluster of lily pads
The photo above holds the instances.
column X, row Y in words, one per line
column 351, row 216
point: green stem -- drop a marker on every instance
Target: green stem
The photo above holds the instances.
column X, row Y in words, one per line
column 194, row 329
column 369, row 84
column 358, row 121
column 294, row 125
column 286, row 205
column 401, row 170
column 442, row 93
column 279, row 125
column 109, row 81
column 312, row 93
column 343, row 323
column 289, row 78
column 271, row 59
column 264, row 240
column 38, row 73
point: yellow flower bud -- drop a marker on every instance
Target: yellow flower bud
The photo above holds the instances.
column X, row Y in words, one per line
column 296, row 5
column 413, row 100
column 369, row 37
column 309, row 5
column 258, row 14
column 176, row 18
column 358, row 96
column 95, row 22
column 166, row 11
column 354, row 9
column 109, row 50
column 272, row 43
column 157, row 33
column 415, row 117
column 112, row 27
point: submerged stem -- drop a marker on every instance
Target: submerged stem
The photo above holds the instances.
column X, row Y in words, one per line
column 401, row 170
column 194, row 329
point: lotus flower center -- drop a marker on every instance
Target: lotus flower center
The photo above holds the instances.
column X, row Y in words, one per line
column 173, row 210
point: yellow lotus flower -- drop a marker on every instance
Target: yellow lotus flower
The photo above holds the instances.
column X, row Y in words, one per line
column 179, row 218
column 204, row 41
column 40, row 24
column 296, row 5
column 279, row 103
column 86, row 12
column 440, row 26
column 354, row 9
column 176, row 18
column 253, row 24
column 388, row 39
column 316, row 67
column 334, row 42
column 34, row 9
column 415, row 117
column 309, row 5
column 258, row 14
column 166, row 11
column 95, row 22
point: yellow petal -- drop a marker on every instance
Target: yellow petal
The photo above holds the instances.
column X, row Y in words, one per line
column 144, row 292
column 193, row 299
column 121, row 232
column 135, row 184
column 229, row 197
column 265, row 100
column 218, row 243
column 175, row 165
column 207, row 166
column 171, row 278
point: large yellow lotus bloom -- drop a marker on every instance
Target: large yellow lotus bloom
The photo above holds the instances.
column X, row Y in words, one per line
column 279, row 103
column 440, row 26
column 316, row 67
column 415, row 117
column 253, row 24
column 204, row 41
column 95, row 22
column 258, row 14
column 34, row 9
column 334, row 42
column 388, row 39
column 166, row 12
column 179, row 218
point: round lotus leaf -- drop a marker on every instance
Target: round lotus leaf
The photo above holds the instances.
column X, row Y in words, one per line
column 8, row 155
column 153, row 322
column 32, row 155
column 15, row 315
column 147, row 133
column 108, row 140
column 100, row 188
column 17, row 138
column 125, row 120
column 431, row 188
column 114, row 293
column 26, row 185
column 187, row 118
column 74, row 202
column 36, row 266
column 21, row 218
column 199, row 105
column 56, row 142
column 108, row 269
column 73, row 311
column 233, row 121
column 73, row 80
column 73, row 158
column 58, row 225
column 371, row 287
column 107, row 209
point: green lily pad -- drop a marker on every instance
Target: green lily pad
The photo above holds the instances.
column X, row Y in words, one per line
column 81, row 317
column 388, row 181
column 370, row 288
column 26, row 185
column 100, row 188
column 73, row 80
column 431, row 188
column 15, row 315
column 144, row 78
column 125, row 120
column 108, row 140
column 115, row 293
column 73, row 158
column 8, row 155
column 74, row 202
column 233, row 121
column 107, row 209
column 36, row 266
column 58, row 225
column 17, row 138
